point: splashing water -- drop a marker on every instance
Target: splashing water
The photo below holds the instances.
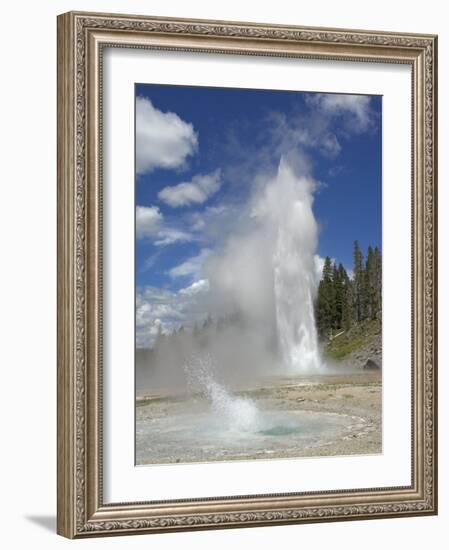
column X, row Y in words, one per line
column 288, row 199
column 237, row 413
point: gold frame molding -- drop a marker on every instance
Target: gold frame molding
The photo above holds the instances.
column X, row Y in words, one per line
column 81, row 39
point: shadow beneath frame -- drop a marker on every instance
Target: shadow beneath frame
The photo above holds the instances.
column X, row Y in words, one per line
column 46, row 522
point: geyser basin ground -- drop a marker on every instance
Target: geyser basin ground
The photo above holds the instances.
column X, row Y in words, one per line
column 321, row 416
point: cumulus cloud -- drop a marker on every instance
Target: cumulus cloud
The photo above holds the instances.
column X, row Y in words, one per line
column 192, row 267
column 148, row 220
column 163, row 140
column 357, row 108
column 150, row 223
column 196, row 191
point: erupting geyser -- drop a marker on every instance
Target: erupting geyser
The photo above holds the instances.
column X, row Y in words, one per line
column 286, row 207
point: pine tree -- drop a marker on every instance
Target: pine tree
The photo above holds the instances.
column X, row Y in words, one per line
column 348, row 310
column 378, row 283
column 369, row 285
column 337, row 282
column 342, row 292
column 325, row 306
column 358, row 282
column 320, row 311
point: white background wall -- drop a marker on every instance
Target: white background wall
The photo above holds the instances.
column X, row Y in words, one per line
column 28, row 271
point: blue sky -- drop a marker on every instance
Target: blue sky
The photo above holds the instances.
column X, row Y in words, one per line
column 199, row 152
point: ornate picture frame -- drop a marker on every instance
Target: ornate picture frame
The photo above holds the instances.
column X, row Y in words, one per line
column 82, row 39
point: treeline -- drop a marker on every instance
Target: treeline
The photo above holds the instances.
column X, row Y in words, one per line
column 342, row 300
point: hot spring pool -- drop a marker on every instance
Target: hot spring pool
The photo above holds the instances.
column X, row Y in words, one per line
column 210, row 436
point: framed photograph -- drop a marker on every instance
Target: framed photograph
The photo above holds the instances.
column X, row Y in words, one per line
column 246, row 274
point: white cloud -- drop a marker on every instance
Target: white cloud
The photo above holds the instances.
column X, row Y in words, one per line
column 191, row 267
column 163, row 140
column 206, row 226
column 150, row 223
column 164, row 311
column 171, row 235
column 148, row 220
column 358, row 107
column 196, row 191
column 195, row 288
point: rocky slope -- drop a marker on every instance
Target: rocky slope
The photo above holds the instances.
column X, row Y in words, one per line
column 360, row 346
